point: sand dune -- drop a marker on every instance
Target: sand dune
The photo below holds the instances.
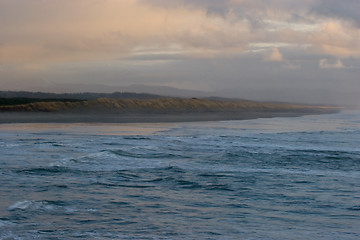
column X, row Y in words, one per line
column 153, row 110
column 161, row 105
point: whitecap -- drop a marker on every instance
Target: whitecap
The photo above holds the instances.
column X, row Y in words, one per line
column 21, row 205
column 70, row 209
column 32, row 205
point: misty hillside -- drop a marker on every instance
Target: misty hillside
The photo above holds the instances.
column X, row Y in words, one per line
column 159, row 105
column 73, row 96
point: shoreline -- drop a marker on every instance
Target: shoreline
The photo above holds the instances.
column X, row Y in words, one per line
column 51, row 117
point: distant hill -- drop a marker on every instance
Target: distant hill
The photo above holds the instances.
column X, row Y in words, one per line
column 74, row 96
column 166, row 91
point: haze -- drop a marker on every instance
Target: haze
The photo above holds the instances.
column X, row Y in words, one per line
column 301, row 51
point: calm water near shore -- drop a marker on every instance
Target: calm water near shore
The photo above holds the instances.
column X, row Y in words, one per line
column 274, row 178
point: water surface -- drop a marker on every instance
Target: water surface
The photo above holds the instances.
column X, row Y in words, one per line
column 278, row 178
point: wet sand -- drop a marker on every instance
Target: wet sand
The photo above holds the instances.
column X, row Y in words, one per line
column 51, row 117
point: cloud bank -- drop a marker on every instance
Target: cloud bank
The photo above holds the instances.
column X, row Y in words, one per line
column 57, row 40
column 58, row 31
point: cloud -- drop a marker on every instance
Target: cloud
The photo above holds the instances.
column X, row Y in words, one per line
column 326, row 64
column 292, row 66
column 56, row 32
column 336, row 39
column 173, row 42
column 274, row 56
column 344, row 9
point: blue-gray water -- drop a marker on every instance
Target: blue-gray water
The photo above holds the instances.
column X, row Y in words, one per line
column 279, row 178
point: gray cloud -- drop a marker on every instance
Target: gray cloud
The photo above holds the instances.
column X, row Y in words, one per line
column 249, row 9
column 344, row 9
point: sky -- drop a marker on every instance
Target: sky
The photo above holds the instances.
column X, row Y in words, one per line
column 282, row 50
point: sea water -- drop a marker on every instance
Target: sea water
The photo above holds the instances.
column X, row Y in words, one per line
column 276, row 178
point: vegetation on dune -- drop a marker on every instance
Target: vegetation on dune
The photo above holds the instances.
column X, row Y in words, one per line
column 159, row 105
column 23, row 100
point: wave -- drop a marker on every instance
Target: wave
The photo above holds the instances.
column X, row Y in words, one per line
column 354, row 208
column 230, row 170
column 34, row 205
column 5, row 223
column 178, row 182
column 284, row 171
column 106, row 160
column 120, row 185
column 137, row 138
column 146, row 155
column 44, row 170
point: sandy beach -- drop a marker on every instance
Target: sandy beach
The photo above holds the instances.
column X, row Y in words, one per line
column 42, row 117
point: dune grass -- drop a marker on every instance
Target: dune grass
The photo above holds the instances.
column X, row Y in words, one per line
column 159, row 105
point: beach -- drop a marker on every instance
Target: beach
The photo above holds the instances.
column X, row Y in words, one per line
column 55, row 117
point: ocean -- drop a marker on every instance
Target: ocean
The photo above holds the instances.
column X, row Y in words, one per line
column 274, row 178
